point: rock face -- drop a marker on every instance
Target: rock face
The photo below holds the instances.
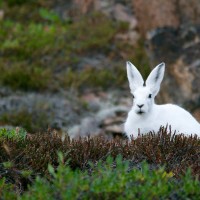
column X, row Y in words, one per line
column 119, row 10
column 189, row 11
column 179, row 49
column 173, row 36
column 152, row 14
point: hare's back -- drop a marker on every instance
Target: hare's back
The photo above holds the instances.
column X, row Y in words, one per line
column 179, row 119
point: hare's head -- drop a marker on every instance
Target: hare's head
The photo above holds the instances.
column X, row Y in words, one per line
column 144, row 92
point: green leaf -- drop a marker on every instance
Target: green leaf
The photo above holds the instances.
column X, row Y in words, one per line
column 51, row 170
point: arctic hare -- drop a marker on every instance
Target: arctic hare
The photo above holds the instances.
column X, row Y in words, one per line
column 145, row 115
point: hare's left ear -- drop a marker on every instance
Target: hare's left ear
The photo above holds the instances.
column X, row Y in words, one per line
column 155, row 78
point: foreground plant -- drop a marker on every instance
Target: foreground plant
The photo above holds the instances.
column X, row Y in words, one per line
column 21, row 161
column 112, row 179
column 17, row 133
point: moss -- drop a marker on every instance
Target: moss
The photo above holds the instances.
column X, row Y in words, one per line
column 40, row 51
column 34, row 52
column 40, row 39
column 25, row 42
column 17, row 2
column 136, row 54
column 93, row 31
column 25, row 77
column 94, row 78
column 141, row 59
column 27, row 10
column 31, row 122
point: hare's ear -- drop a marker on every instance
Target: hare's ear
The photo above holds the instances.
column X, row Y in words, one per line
column 155, row 78
column 134, row 77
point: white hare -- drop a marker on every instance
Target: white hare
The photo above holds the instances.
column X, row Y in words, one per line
column 145, row 115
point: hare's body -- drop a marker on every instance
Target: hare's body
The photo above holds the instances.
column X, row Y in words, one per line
column 145, row 115
column 159, row 116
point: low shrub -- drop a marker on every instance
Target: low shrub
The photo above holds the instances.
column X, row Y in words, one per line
column 36, row 152
column 111, row 179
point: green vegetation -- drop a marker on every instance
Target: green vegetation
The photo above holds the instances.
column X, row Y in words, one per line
column 38, row 39
column 91, row 77
column 17, row 2
column 32, row 122
column 25, row 48
column 96, row 168
column 106, row 182
column 46, row 51
column 25, row 77
column 40, row 51
column 136, row 55
column 18, row 133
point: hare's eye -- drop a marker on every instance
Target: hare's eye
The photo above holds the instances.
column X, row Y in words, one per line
column 133, row 96
column 150, row 95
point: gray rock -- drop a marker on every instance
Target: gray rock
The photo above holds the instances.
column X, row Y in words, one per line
column 2, row 13
column 98, row 123
column 111, row 112
column 180, row 50
column 59, row 110
column 123, row 13
column 88, row 126
column 114, row 129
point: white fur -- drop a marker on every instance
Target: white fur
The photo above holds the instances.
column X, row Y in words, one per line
column 149, row 116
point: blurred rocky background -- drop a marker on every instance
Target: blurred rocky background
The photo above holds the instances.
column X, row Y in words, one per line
column 62, row 63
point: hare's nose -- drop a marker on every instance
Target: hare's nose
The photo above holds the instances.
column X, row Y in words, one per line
column 140, row 106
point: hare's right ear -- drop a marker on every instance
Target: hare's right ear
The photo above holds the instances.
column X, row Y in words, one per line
column 134, row 77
